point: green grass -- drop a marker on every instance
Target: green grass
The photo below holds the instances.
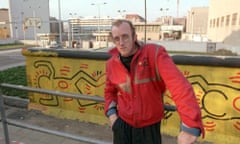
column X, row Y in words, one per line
column 12, row 46
column 16, row 76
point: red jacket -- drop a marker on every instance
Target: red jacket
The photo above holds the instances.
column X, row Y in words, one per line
column 138, row 94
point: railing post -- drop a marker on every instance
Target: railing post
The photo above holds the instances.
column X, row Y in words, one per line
column 4, row 119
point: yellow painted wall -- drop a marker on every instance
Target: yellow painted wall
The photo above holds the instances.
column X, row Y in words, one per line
column 218, row 94
column 217, row 90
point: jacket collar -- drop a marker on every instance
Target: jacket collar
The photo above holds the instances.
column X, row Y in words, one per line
column 113, row 51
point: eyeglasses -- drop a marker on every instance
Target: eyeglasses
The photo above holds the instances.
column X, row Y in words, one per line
column 124, row 38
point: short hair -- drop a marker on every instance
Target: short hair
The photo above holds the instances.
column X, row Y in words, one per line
column 120, row 21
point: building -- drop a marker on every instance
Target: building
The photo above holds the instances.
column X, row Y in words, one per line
column 134, row 18
column 197, row 20
column 88, row 29
column 54, row 25
column 152, row 30
column 224, row 21
column 28, row 17
column 180, row 21
column 4, row 24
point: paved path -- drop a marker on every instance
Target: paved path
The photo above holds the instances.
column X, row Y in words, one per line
column 19, row 135
column 25, row 136
column 11, row 58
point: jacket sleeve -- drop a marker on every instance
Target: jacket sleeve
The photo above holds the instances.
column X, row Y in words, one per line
column 181, row 91
column 110, row 94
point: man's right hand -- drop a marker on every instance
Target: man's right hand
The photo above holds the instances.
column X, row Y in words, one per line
column 112, row 119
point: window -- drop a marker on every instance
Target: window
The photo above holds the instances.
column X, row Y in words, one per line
column 214, row 23
column 234, row 19
column 222, row 21
column 227, row 20
column 217, row 22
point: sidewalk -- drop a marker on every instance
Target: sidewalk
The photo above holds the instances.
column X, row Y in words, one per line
column 16, row 111
column 25, row 136
column 11, row 58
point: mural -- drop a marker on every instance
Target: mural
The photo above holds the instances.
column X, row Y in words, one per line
column 218, row 95
column 217, row 91
column 81, row 77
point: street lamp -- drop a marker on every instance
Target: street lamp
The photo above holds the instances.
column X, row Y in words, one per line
column 164, row 15
column 34, row 16
column 192, row 18
column 15, row 26
column 71, row 25
column 98, row 6
column 145, row 24
column 121, row 12
column 59, row 22
column 23, row 29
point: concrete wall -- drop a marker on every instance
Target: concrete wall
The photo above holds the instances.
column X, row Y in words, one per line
column 215, row 81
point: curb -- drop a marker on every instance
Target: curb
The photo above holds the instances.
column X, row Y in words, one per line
column 15, row 101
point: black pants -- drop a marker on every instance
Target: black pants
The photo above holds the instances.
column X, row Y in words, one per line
column 126, row 134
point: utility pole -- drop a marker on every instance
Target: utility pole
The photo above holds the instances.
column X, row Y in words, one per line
column 145, row 30
column 177, row 8
column 99, row 15
column 60, row 22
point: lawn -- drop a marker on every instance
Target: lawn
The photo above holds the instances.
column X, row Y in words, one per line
column 17, row 76
column 13, row 46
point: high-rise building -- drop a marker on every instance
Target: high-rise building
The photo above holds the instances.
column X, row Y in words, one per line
column 28, row 17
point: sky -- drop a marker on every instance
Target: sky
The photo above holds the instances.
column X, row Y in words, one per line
column 84, row 7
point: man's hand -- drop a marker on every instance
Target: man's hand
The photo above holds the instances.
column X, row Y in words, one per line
column 186, row 138
column 112, row 119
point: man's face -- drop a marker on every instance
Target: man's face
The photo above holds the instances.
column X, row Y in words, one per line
column 123, row 39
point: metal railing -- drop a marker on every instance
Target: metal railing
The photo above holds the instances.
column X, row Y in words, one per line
column 6, row 122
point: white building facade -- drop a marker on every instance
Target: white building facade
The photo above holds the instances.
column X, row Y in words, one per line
column 224, row 21
column 28, row 18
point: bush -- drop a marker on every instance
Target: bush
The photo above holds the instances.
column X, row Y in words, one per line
column 224, row 52
column 17, row 76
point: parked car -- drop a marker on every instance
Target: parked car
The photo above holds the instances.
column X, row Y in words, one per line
column 55, row 45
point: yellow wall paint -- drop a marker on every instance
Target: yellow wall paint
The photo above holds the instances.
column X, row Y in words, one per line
column 217, row 92
column 70, row 75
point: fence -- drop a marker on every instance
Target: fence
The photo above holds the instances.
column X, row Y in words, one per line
column 7, row 122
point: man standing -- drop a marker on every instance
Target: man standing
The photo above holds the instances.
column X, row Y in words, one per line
column 137, row 77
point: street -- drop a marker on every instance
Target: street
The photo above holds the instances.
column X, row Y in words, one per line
column 11, row 58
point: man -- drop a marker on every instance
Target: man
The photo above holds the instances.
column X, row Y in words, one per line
column 137, row 76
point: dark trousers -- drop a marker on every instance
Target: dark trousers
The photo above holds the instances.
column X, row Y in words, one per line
column 123, row 133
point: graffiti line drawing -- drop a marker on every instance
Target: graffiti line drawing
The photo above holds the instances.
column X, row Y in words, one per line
column 80, row 81
column 85, row 81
